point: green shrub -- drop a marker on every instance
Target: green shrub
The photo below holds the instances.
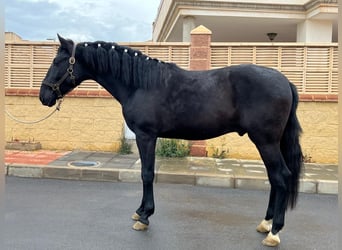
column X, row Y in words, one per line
column 125, row 147
column 220, row 154
column 307, row 158
column 172, row 148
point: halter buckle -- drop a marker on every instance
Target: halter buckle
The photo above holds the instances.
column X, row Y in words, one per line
column 54, row 87
column 72, row 60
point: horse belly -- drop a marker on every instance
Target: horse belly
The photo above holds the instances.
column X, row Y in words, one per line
column 210, row 119
column 197, row 131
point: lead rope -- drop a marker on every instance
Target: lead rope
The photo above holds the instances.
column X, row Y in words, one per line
column 58, row 107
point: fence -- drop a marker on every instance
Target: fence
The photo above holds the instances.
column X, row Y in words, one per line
column 27, row 63
column 313, row 68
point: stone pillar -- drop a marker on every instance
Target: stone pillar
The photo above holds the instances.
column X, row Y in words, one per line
column 315, row 31
column 188, row 26
column 200, row 53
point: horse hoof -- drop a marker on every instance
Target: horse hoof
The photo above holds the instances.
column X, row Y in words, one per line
column 265, row 226
column 139, row 226
column 271, row 240
column 135, row 217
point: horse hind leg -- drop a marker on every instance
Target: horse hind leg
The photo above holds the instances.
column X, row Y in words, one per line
column 265, row 225
column 135, row 216
column 278, row 175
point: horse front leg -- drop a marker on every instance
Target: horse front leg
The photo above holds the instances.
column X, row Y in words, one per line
column 146, row 145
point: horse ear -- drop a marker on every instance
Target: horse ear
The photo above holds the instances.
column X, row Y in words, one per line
column 66, row 44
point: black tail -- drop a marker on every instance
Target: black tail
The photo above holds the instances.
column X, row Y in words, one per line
column 291, row 150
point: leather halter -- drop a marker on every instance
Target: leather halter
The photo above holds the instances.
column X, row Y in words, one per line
column 69, row 72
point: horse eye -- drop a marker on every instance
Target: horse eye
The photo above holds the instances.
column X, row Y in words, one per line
column 57, row 60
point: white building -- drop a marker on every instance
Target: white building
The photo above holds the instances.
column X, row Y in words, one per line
column 248, row 20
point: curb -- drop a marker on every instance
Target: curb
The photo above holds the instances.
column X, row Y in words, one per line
column 314, row 186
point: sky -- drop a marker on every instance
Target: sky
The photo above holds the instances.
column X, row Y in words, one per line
column 82, row 20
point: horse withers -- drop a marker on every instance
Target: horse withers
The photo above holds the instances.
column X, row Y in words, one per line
column 162, row 100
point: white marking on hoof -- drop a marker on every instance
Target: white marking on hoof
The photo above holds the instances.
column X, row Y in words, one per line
column 139, row 226
column 135, row 217
column 271, row 240
column 265, row 226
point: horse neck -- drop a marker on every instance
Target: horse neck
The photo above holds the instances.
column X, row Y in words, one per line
column 117, row 73
column 102, row 75
column 114, row 86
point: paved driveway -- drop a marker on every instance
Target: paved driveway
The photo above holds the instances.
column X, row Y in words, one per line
column 57, row 214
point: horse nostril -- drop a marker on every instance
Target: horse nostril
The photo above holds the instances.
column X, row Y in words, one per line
column 44, row 102
column 41, row 99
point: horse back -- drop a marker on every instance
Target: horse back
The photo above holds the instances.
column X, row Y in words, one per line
column 206, row 104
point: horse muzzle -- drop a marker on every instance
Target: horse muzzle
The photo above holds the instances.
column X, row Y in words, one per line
column 48, row 103
column 47, row 99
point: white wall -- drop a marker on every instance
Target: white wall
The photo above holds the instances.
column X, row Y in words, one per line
column 314, row 31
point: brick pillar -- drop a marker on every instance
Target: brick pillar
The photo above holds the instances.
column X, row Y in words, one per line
column 200, row 60
column 200, row 48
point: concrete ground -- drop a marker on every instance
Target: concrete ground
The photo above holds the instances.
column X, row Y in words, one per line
column 52, row 214
column 200, row 171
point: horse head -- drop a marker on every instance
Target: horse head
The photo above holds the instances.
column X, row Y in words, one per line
column 63, row 75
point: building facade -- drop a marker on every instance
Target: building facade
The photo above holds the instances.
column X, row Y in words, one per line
column 248, row 20
column 91, row 119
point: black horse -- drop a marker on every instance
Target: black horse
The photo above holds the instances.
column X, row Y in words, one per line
column 162, row 100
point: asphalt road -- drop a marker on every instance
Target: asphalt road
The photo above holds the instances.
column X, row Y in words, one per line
column 44, row 214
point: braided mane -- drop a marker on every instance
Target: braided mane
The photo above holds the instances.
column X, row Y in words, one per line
column 130, row 66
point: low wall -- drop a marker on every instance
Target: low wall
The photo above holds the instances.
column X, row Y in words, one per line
column 96, row 123
column 319, row 121
column 82, row 123
column 91, row 120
